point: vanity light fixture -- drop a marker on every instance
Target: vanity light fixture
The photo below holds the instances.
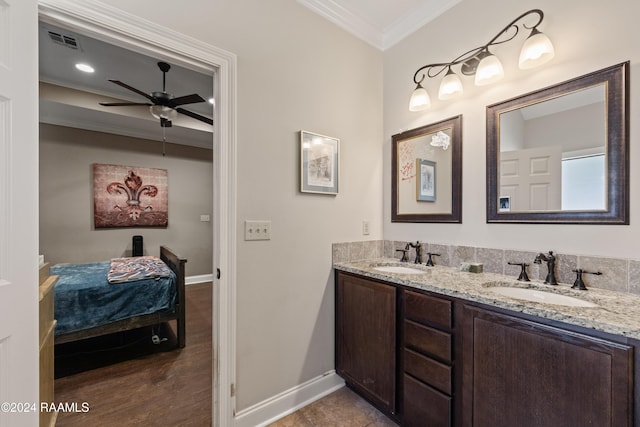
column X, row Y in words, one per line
column 481, row 63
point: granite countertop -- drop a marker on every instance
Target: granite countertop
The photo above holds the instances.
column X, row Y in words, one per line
column 617, row 313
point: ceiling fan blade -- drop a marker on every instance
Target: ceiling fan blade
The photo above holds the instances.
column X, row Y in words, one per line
column 187, row 99
column 123, row 104
column 133, row 89
column 195, row 115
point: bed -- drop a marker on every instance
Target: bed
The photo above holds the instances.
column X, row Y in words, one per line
column 87, row 305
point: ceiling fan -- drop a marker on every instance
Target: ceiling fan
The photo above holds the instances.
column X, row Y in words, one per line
column 163, row 105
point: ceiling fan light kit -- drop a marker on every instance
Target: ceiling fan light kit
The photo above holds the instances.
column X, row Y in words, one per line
column 163, row 105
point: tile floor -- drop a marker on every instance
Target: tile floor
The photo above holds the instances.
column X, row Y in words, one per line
column 342, row 408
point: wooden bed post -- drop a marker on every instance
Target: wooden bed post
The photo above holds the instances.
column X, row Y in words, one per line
column 176, row 264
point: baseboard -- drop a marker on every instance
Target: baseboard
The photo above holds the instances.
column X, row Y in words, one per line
column 192, row 280
column 289, row 401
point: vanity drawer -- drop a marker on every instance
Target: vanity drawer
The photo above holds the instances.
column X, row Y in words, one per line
column 424, row 406
column 428, row 370
column 427, row 309
column 427, row 340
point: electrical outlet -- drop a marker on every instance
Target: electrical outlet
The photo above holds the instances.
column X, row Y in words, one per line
column 365, row 227
column 257, row 230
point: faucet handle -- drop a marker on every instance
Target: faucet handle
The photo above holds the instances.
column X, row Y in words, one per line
column 523, row 277
column 430, row 260
column 579, row 284
column 404, row 254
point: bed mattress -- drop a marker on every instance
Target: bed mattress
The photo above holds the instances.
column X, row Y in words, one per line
column 85, row 299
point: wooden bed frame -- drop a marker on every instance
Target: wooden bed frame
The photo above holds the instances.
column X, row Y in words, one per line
column 176, row 264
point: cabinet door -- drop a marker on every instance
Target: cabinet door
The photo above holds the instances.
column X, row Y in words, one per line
column 521, row 373
column 366, row 338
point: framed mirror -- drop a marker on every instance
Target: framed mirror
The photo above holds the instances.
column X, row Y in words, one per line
column 426, row 173
column 561, row 154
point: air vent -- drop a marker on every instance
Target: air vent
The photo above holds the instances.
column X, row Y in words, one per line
column 68, row 41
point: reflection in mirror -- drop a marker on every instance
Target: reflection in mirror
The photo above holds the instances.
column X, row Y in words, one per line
column 560, row 143
column 426, row 173
column 561, row 154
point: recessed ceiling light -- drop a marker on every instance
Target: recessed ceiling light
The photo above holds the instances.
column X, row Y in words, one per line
column 212, row 101
column 85, row 67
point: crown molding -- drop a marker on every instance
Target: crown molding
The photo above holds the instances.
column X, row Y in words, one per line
column 380, row 38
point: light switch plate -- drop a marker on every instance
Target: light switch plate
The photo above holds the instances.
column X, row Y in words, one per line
column 365, row 227
column 257, row 230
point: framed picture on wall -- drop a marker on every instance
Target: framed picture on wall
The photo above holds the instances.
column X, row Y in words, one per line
column 129, row 196
column 319, row 163
column 426, row 182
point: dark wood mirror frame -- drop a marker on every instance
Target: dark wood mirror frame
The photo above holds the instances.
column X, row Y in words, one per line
column 455, row 124
column 616, row 80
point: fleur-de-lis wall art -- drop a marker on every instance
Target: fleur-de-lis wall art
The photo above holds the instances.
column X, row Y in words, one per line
column 134, row 189
column 126, row 196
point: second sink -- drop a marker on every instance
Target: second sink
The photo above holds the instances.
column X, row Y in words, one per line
column 398, row 269
column 535, row 295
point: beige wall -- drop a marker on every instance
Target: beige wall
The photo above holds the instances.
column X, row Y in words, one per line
column 588, row 36
column 295, row 71
column 66, row 198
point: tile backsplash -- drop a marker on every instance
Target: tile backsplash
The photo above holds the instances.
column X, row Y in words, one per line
column 622, row 275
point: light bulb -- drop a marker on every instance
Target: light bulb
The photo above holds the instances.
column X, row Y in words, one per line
column 450, row 86
column 537, row 50
column 489, row 69
column 419, row 99
column 163, row 112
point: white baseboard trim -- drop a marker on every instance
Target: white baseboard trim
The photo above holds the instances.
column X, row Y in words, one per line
column 289, row 401
column 192, row 280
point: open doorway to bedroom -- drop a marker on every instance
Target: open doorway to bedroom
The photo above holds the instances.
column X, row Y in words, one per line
column 77, row 133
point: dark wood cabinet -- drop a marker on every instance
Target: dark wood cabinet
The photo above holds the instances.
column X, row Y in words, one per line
column 523, row 373
column 366, row 338
column 426, row 360
column 431, row 361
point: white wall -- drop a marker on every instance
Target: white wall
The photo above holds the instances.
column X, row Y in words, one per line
column 295, row 71
column 587, row 35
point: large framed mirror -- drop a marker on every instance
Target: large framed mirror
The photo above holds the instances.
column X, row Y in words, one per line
column 426, row 173
column 560, row 154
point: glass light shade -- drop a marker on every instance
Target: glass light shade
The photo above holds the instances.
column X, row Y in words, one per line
column 489, row 70
column 163, row 112
column 419, row 99
column 537, row 50
column 450, row 86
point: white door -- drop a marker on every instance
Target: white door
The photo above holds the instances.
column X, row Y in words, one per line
column 18, row 213
column 532, row 178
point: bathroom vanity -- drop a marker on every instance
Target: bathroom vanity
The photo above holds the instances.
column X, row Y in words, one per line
column 433, row 346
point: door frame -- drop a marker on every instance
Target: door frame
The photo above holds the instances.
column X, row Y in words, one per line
column 131, row 32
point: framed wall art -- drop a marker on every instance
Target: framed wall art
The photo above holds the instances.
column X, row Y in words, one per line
column 129, row 196
column 426, row 180
column 319, row 163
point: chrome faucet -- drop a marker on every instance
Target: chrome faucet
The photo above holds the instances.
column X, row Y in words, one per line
column 550, row 259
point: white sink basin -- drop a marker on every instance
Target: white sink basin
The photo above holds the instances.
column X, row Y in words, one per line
column 398, row 269
column 542, row 296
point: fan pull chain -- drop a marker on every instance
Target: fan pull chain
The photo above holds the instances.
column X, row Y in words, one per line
column 164, row 141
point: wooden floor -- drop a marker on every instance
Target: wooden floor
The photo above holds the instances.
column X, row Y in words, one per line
column 172, row 388
column 166, row 388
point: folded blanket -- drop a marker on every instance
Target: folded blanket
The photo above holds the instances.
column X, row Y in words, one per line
column 137, row 268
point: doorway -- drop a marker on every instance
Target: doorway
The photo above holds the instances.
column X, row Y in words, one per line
column 136, row 34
